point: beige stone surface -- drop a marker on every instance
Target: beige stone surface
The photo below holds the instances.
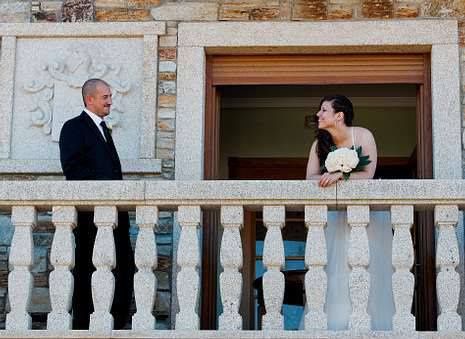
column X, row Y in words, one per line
column 382, row 9
column 315, row 260
column 62, row 258
column 123, row 15
column 13, row 166
column 188, row 260
column 294, row 194
column 445, row 95
column 20, row 280
column 447, row 259
column 104, row 260
column 15, row 11
column 7, row 71
column 309, row 9
column 251, row 10
column 189, row 123
column 273, row 260
column 186, row 11
column 147, row 130
column 402, row 260
column 340, row 33
column 232, row 218
column 145, row 282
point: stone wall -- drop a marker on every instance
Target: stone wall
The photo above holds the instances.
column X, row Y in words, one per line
column 173, row 12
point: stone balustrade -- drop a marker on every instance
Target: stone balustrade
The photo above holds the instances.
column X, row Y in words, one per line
column 147, row 198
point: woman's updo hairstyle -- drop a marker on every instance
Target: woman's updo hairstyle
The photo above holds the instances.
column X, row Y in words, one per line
column 339, row 103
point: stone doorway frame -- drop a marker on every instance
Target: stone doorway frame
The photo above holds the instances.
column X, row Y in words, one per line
column 438, row 37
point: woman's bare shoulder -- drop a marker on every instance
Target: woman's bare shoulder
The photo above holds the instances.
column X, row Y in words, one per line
column 362, row 133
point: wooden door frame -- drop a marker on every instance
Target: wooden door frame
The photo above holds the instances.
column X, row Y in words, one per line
column 425, row 229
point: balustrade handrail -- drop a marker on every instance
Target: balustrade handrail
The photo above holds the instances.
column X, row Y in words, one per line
column 170, row 194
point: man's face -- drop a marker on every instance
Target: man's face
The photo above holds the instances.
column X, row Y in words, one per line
column 100, row 102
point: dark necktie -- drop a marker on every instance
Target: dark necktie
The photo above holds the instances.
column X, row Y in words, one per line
column 106, row 132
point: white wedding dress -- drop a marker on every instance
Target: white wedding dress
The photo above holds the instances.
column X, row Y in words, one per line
column 380, row 302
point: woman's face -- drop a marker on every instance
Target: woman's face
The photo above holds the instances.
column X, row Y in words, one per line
column 327, row 118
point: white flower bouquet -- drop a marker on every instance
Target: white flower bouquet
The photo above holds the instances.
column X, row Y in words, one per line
column 345, row 160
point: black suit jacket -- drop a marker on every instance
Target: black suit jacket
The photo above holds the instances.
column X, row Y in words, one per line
column 84, row 153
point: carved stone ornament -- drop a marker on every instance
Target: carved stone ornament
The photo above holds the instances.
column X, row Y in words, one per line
column 63, row 78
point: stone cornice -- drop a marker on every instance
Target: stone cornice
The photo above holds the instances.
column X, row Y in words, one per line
column 322, row 33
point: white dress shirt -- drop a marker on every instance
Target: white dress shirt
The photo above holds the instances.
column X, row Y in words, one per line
column 97, row 120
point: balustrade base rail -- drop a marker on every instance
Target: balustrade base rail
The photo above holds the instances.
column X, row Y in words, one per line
column 268, row 334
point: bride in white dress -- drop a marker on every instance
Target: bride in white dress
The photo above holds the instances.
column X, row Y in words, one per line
column 334, row 120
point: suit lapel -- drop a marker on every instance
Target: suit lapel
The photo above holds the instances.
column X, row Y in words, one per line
column 110, row 146
column 90, row 123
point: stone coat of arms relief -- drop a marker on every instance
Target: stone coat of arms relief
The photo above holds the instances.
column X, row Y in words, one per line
column 56, row 91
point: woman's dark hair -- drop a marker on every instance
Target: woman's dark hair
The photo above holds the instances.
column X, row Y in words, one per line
column 340, row 103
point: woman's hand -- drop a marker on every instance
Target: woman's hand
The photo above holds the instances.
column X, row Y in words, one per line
column 327, row 179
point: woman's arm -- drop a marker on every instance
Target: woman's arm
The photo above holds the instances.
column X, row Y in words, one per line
column 366, row 140
column 313, row 164
column 313, row 170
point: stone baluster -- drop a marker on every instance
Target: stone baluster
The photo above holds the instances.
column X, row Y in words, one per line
column 447, row 259
column 104, row 260
column 273, row 259
column 145, row 282
column 315, row 260
column 358, row 218
column 403, row 281
column 62, row 258
column 188, row 260
column 232, row 218
column 20, row 280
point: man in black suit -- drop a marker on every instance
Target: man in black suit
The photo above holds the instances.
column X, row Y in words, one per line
column 87, row 152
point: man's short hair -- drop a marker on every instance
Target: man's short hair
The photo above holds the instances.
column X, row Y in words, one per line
column 90, row 86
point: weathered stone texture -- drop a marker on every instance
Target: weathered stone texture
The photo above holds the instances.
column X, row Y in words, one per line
column 462, row 33
column 168, row 41
column 15, row 11
column 167, row 76
column 340, row 13
column 382, row 9
column 111, row 3
column 43, row 11
column 309, row 9
column 167, row 101
column 186, row 11
column 78, row 10
column 406, row 12
column 443, row 8
column 285, row 9
column 167, row 53
column 143, row 3
column 123, row 14
column 250, row 10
